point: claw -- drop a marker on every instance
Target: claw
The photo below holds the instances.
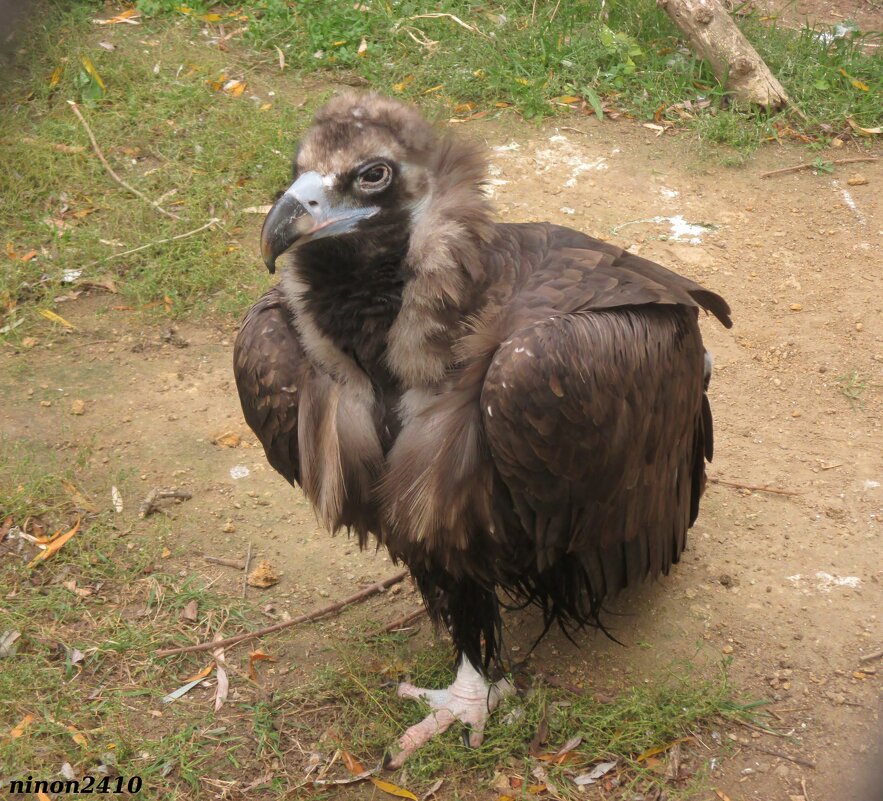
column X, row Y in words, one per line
column 470, row 699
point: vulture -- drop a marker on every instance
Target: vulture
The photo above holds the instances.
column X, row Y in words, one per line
column 516, row 411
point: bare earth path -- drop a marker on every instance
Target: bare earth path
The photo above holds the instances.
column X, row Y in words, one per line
column 791, row 585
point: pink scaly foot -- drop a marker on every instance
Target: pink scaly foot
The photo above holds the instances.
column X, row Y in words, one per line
column 470, row 699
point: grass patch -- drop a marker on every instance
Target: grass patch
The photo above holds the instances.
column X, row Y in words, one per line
column 853, row 386
column 191, row 108
column 352, row 706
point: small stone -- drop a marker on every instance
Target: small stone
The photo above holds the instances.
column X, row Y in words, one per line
column 796, row 307
column 46, row 404
column 78, row 407
column 727, row 649
column 796, row 413
column 856, row 180
column 229, row 527
column 29, row 342
column 859, row 326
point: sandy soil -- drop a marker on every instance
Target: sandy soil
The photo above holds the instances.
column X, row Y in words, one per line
column 791, row 585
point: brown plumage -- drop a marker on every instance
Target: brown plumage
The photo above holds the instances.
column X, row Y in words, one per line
column 515, row 408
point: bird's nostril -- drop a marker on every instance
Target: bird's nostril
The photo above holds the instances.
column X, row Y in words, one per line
column 313, row 203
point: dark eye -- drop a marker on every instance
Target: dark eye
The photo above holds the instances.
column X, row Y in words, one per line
column 375, row 177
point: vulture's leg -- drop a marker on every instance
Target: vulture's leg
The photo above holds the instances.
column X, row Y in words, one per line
column 470, row 699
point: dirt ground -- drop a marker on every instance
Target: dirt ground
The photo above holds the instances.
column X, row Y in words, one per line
column 789, row 582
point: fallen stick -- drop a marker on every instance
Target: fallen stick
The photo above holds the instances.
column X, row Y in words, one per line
column 107, row 166
column 149, row 504
column 403, row 621
column 325, row 610
column 209, row 224
column 753, row 488
column 813, row 165
column 220, row 560
column 807, row 763
column 871, row 656
column 245, row 574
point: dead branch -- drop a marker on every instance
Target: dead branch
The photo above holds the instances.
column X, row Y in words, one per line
column 807, row 763
column 872, row 656
column 315, row 615
column 813, row 165
column 120, row 181
column 403, row 621
column 150, row 504
column 245, row 574
column 209, row 224
column 717, row 39
column 238, row 564
column 752, row 487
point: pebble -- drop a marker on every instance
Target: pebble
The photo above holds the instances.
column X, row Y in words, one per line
column 856, row 180
column 47, row 404
column 78, row 407
column 727, row 649
column 229, row 527
column 796, row 307
column 859, row 326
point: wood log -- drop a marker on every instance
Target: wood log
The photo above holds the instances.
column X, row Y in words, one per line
column 714, row 36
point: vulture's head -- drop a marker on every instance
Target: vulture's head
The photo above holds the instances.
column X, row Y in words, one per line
column 369, row 175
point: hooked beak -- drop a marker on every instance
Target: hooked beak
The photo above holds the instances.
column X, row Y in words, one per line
column 305, row 212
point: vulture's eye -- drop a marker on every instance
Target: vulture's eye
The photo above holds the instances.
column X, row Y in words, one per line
column 375, row 177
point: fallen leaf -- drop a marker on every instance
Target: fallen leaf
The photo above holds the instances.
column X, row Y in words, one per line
column 80, row 499
column 54, row 318
column 19, row 729
column 861, row 85
column 129, row 16
column 567, row 99
column 77, row 736
column 41, row 796
column 7, row 643
column 432, row 790
column 223, row 687
column 191, row 683
column 652, row 752
column 264, row 575
column 722, row 795
column 90, row 68
column 55, row 545
column 352, row 764
column 166, row 553
column 116, row 499
column 865, row 131
column 594, row 774
column 55, row 77
column 363, row 47
column 257, row 656
column 190, row 611
column 392, row 789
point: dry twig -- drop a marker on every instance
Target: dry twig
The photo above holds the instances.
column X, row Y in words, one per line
column 403, row 621
column 120, row 181
column 238, row 564
column 245, row 574
column 325, row 610
column 149, row 504
column 753, row 488
column 813, row 165
column 209, row 224
column 871, row 656
column 807, row 763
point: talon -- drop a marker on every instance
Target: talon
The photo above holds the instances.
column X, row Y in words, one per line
column 470, row 699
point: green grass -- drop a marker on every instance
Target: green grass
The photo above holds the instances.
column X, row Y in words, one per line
column 166, row 125
column 91, row 616
column 352, row 706
column 853, row 386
